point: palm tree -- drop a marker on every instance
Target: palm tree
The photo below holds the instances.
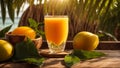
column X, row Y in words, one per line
column 111, row 23
column 83, row 14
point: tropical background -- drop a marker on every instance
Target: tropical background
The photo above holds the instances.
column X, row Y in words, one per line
column 98, row 16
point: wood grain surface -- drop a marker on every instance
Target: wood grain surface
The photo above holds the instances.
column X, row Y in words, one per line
column 103, row 45
column 112, row 59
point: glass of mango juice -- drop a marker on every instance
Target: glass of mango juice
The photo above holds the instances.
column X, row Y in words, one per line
column 56, row 32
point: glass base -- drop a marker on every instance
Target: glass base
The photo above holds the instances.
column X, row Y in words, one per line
column 54, row 48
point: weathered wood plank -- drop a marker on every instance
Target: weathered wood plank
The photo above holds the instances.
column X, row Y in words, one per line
column 112, row 59
column 103, row 45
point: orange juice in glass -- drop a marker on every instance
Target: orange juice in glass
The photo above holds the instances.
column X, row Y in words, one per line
column 56, row 32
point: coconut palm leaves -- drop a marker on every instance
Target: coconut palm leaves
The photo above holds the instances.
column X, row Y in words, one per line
column 112, row 18
column 83, row 14
column 81, row 7
column 13, row 6
column 3, row 10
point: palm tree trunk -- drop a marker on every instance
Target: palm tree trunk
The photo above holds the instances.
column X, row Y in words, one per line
column 35, row 12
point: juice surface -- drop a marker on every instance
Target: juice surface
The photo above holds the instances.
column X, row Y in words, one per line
column 56, row 29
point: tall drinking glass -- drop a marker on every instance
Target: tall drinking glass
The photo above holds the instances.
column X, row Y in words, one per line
column 56, row 32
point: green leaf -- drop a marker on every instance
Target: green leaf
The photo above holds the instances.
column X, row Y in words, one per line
column 26, row 49
column 26, row 52
column 33, row 23
column 11, row 10
column 78, row 55
column 84, row 55
column 71, row 59
column 35, row 61
column 3, row 31
column 3, row 10
column 19, row 6
column 36, row 25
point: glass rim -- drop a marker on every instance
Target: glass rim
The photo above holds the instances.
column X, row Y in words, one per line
column 56, row 16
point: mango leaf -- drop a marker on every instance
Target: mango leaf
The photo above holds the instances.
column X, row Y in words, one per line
column 26, row 51
column 78, row 55
column 71, row 59
column 85, row 55
column 33, row 23
column 36, row 25
column 3, row 31
column 34, row 61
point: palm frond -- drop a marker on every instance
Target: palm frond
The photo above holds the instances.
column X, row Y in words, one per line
column 3, row 10
column 12, row 6
column 83, row 14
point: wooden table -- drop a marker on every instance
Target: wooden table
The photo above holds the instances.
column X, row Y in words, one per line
column 111, row 60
